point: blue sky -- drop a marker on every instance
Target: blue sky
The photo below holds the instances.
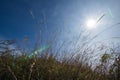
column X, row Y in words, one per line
column 20, row 18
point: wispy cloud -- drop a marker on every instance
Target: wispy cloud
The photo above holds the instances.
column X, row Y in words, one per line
column 31, row 13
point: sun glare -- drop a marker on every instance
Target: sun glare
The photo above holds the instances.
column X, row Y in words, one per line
column 91, row 23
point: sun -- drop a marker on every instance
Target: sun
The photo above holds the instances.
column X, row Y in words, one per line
column 91, row 23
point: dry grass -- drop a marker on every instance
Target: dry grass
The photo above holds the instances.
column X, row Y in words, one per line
column 49, row 67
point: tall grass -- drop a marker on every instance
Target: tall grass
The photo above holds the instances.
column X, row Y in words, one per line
column 47, row 66
column 76, row 59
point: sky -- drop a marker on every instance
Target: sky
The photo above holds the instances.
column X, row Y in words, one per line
column 21, row 18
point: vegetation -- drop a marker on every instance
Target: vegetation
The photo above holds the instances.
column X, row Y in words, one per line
column 49, row 67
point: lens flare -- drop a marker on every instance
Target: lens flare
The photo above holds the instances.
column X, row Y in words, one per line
column 110, row 12
column 38, row 51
